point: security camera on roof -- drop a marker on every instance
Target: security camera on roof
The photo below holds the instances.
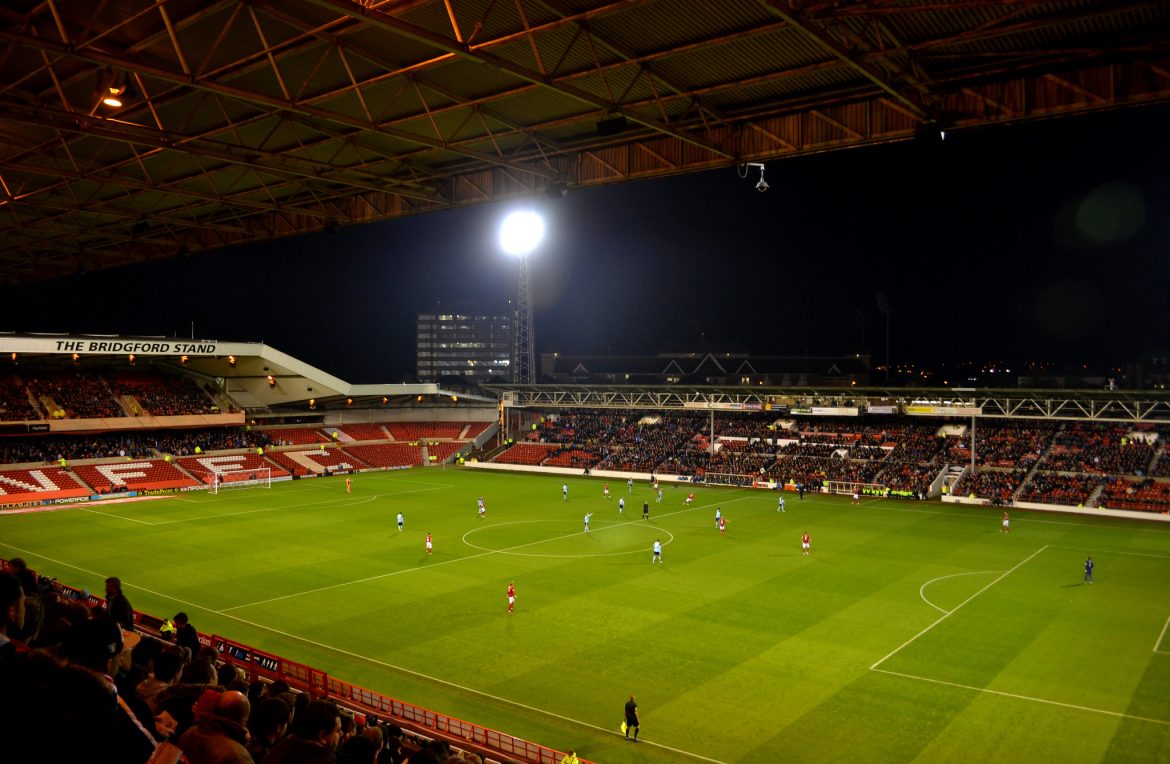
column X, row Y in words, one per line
column 762, row 186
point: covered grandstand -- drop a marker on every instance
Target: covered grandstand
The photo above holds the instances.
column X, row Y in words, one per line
column 250, row 121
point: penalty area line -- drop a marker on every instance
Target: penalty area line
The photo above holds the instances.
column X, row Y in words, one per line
column 1031, row 698
column 1161, row 636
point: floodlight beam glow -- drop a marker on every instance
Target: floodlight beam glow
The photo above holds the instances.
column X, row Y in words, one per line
column 521, row 232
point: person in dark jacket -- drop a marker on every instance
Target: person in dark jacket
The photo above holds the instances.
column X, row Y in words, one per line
column 117, row 605
column 316, row 734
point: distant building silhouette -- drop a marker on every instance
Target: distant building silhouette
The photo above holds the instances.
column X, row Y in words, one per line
column 464, row 342
column 707, row 368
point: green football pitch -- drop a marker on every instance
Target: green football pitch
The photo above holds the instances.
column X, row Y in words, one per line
column 912, row 632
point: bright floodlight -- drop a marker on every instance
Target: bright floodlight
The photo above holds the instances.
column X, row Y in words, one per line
column 521, row 232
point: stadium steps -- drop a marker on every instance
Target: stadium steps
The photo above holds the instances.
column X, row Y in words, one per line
column 1094, row 498
column 1028, row 476
column 1158, row 451
column 175, row 463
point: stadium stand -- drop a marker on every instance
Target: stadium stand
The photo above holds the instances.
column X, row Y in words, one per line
column 996, row 485
column 572, row 457
column 315, row 460
column 365, row 431
column 295, row 436
column 73, row 394
column 38, row 484
column 15, row 403
column 474, row 429
column 1054, row 488
column 440, row 452
column 412, row 431
column 387, row 454
column 1141, row 495
column 231, row 462
column 153, row 474
column 159, row 395
column 525, row 453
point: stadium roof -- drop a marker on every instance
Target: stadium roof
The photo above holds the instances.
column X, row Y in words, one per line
column 246, row 120
column 256, row 376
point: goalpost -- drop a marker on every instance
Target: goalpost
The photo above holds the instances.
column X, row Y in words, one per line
column 228, row 479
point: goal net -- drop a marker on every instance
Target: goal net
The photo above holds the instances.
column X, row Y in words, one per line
column 861, row 489
column 228, row 479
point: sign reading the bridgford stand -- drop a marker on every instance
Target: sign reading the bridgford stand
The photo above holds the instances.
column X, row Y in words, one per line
column 112, row 345
column 142, row 347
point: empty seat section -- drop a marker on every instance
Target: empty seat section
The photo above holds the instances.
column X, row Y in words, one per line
column 301, row 462
column 387, row 454
column 441, row 451
column 143, row 474
column 38, row 483
column 201, row 465
column 365, row 431
column 296, row 436
column 424, row 430
column 526, row 453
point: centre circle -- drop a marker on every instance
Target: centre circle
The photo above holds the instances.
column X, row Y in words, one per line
column 631, row 537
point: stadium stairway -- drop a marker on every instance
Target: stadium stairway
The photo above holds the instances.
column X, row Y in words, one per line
column 1031, row 472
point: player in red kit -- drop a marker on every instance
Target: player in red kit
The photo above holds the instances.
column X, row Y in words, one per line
column 429, row 546
column 722, row 526
column 511, row 596
column 805, row 543
column 606, row 490
column 690, row 498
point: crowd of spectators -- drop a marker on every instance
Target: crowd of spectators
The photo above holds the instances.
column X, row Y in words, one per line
column 1053, row 488
column 1146, row 495
column 15, row 405
column 74, row 394
column 1098, row 448
column 1006, row 443
column 86, row 394
column 995, row 485
column 906, row 456
column 131, row 444
column 159, row 395
column 79, row 686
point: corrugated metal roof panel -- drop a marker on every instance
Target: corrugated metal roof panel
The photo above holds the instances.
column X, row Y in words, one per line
column 515, row 108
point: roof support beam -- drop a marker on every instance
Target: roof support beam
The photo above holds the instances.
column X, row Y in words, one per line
column 420, row 34
column 854, row 61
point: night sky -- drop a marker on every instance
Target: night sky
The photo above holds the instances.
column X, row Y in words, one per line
column 1048, row 241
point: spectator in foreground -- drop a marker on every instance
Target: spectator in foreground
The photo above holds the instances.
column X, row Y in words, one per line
column 185, row 634
column 219, row 736
column 11, row 615
column 96, row 646
column 268, row 724
column 316, row 732
column 117, row 605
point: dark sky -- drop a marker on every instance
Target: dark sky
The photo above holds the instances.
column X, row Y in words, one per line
column 1045, row 241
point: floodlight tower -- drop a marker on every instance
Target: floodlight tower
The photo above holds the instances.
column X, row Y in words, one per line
column 520, row 234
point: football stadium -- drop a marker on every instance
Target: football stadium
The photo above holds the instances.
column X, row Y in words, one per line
column 339, row 546
column 218, row 550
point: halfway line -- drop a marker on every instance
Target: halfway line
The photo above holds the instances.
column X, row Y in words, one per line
column 392, row 573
